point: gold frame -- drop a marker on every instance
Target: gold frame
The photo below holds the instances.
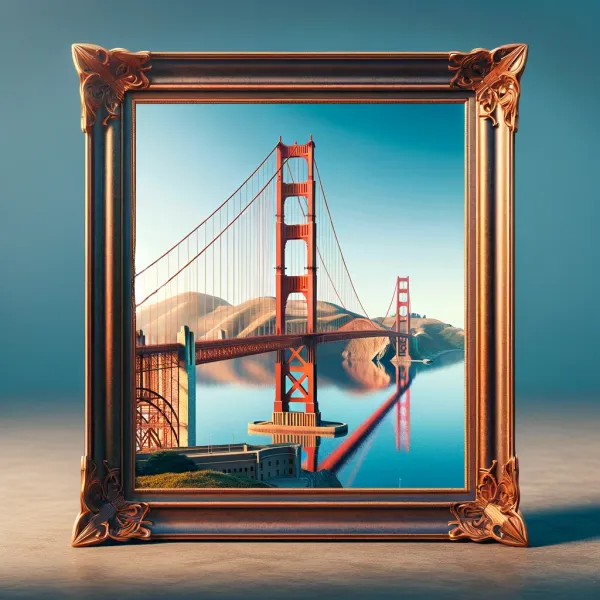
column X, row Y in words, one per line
column 111, row 83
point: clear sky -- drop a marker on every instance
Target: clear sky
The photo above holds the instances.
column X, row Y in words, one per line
column 393, row 175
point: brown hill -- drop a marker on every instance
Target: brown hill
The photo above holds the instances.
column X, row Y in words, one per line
column 366, row 349
column 434, row 337
column 162, row 321
column 210, row 317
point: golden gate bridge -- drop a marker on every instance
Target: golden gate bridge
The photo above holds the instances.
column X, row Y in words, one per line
column 244, row 282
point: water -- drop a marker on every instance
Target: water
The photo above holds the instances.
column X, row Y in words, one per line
column 233, row 393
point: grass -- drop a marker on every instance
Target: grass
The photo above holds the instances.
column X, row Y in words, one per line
column 198, row 479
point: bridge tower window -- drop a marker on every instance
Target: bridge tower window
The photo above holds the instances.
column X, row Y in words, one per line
column 296, row 257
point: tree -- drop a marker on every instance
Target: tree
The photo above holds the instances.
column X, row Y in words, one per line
column 166, row 462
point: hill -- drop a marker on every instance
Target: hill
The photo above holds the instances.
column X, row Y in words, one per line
column 211, row 317
column 164, row 319
column 434, row 336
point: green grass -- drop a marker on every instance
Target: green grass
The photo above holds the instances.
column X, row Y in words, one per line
column 198, row 479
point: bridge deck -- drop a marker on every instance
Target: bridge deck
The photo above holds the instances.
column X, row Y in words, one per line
column 215, row 350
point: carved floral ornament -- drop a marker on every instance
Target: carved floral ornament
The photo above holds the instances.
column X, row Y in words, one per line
column 494, row 76
column 494, row 514
column 105, row 514
column 104, row 77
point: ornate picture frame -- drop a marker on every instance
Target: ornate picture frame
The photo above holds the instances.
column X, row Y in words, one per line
column 488, row 84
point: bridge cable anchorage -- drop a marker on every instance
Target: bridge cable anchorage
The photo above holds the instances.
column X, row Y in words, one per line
column 209, row 216
column 242, row 211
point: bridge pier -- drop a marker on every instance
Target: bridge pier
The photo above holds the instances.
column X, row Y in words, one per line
column 187, row 386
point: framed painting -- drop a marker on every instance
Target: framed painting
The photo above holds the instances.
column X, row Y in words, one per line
column 299, row 295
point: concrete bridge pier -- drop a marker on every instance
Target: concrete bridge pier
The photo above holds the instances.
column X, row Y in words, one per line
column 187, row 386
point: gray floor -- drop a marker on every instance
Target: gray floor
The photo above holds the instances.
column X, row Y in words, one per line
column 559, row 451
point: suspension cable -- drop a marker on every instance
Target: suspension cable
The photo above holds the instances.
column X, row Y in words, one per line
column 338, row 243
column 387, row 312
column 211, row 215
column 213, row 240
column 318, row 249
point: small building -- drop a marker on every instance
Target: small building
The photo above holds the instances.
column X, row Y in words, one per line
column 252, row 461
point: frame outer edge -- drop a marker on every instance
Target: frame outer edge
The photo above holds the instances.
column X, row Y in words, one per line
column 495, row 78
column 504, row 292
column 107, row 289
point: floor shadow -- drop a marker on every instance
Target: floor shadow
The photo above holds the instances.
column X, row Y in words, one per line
column 563, row 525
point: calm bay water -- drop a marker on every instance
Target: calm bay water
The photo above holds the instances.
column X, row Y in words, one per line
column 423, row 449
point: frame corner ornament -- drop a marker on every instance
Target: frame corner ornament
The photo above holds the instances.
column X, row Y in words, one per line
column 494, row 76
column 494, row 514
column 104, row 77
column 105, row 514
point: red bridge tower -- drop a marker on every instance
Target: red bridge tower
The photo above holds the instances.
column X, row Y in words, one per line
column 295, row 371
column 402, row 317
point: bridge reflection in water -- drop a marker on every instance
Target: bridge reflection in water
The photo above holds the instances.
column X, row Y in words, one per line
column 414, row 438
column 310, row 442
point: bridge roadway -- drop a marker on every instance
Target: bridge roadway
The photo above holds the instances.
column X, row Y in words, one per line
column 215, row 350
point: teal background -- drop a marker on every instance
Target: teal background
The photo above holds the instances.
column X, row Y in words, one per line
column 42, row 158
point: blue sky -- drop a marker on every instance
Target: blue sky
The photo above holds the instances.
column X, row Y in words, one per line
column 393, row 175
